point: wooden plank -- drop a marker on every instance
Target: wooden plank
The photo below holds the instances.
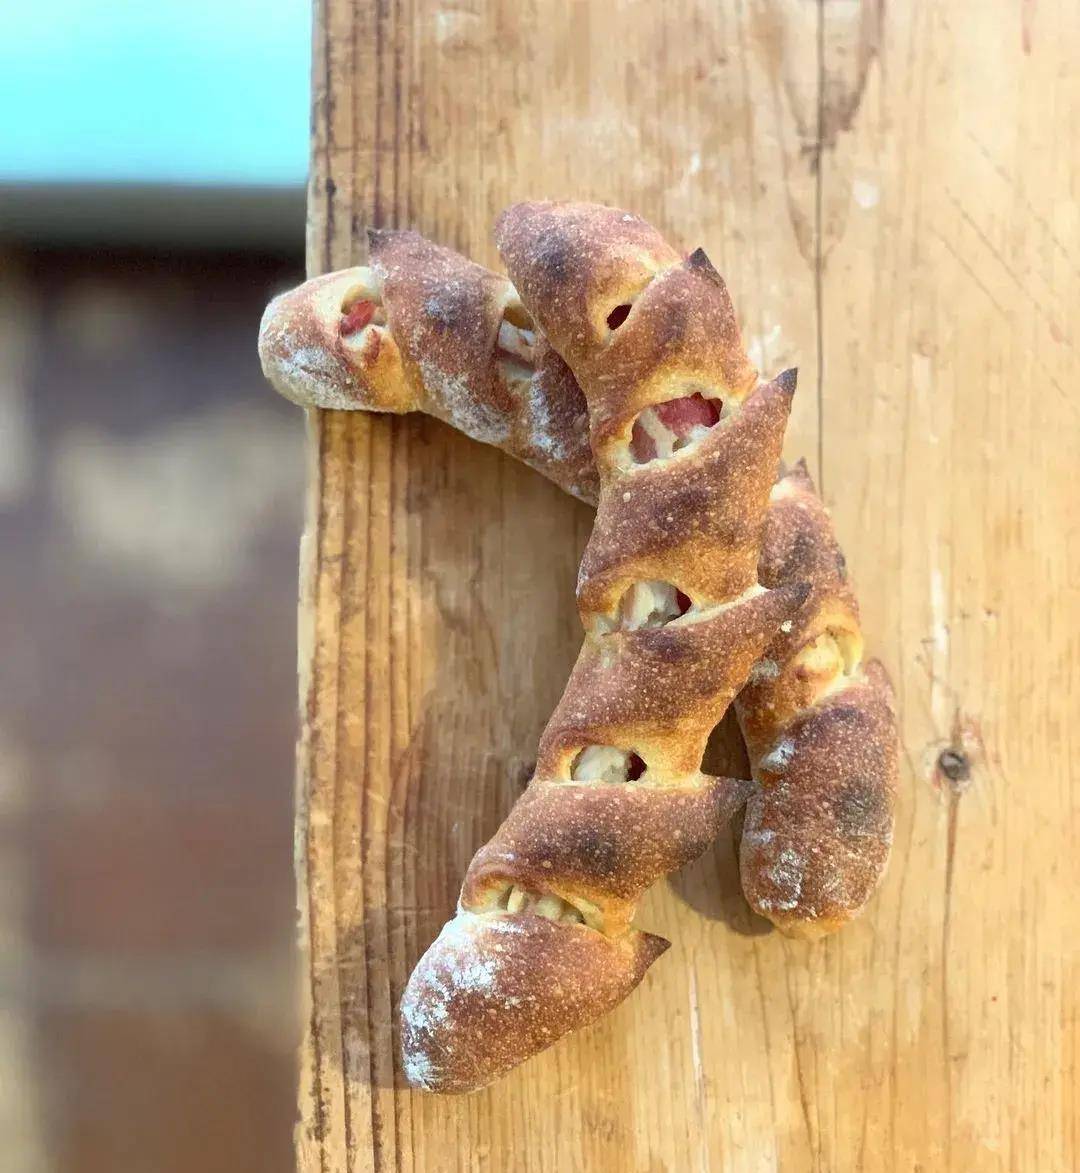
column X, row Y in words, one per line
column 893, row 200
column 951, row 295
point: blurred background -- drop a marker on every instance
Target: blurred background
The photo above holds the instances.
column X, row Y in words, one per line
column 152, row 169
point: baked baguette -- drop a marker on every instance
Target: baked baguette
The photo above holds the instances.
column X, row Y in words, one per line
column 822, row 737
column 820, row 731
column 543, row 942
column 423, row 329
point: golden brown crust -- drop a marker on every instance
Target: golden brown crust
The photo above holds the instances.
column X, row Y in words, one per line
column 799, row 545
column 576, row 262
column 444, row 313
column 820, row 729
column 550, row 430
column 582, row 847
column 433, row 346
column 605, row 842
column 661, row 691
column 818, row 829
column 660, row 526
column 305, row 360
column 496, row 989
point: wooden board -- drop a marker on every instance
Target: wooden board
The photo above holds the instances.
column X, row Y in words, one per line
column 891, row 191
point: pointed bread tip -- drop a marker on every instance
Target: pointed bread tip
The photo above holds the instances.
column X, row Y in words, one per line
column 798, row 474
column 699, row 261
column 508, row 218
column 378, row 238
column 788, row 380
column 653, row 946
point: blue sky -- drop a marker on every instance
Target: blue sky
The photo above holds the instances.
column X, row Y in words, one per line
column 200, row 91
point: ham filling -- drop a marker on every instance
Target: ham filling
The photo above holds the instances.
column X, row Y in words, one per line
column 666, row 428
column 356, row 317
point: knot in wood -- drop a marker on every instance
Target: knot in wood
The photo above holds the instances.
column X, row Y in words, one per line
column 955, row 766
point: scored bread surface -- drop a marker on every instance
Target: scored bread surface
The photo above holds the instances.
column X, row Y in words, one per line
column 819, row 722
column 442, row 340
column 544, row 941
column 820, row 730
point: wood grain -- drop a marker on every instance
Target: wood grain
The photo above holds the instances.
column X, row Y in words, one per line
column 891, row 192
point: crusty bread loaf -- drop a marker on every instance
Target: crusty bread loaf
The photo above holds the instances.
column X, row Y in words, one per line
column 544, row 940
column 423, row 329
column 819, row 722
column 820, row 730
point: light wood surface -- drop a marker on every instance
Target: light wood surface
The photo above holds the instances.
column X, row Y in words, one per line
column 891, row 192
